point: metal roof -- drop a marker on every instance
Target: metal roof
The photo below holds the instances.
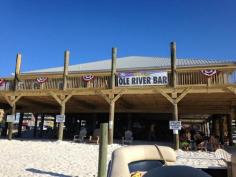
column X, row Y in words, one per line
column 134, row 63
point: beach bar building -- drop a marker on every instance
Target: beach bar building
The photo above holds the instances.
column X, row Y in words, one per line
column 128, row 93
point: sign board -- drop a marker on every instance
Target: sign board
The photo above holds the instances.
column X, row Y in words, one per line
column 10, row 118
column 143, row 78
column 175, row 125
column 60, row 118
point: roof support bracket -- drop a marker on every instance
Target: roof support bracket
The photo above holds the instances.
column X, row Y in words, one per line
column 176, row 99
column 111, row 97
column 62, row 100
column 11, row 100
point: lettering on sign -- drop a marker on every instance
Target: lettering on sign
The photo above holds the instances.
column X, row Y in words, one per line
column 142, row 78
column 60, row 118
column 175, row 125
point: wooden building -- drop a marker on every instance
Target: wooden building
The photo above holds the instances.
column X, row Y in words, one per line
column 127, row 92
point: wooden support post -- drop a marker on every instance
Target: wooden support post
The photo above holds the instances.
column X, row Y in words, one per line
column 4, row 131
column 229, row 126
column 10, row 124
column 17, row 70
column 35, row 125
column 63, row 103
column 102, row 161
column 61, row 124
column 112, row 103
column 173, row 84
column 13, row 102
column 175, row 118
column 41, row 126
column 111, row 122
column 66, row 65
column 54, row 127
column 20, row 125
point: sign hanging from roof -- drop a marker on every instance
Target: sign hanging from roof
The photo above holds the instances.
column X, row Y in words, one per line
column 143, row 78
column 209, row 72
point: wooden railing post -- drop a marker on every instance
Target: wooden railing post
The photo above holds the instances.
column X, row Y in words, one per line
column 112, row 103
column 102, row 161
column 173, row 84
column 66, row 65
column 17, row 70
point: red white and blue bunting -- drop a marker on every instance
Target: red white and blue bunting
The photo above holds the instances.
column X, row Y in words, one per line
column 2, row 81
column 88, row 78
column 209, row 72
column 41, row 80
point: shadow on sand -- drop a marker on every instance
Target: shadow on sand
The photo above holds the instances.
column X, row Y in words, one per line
column 46, row 172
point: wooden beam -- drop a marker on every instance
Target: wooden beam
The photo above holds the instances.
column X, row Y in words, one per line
column 165, row 95
column 118, row 95
column 8, row 100
column 67, row 98
column 59, row 101
column 183, row 94
column 17, row 99
column 232, row 89
column 100, row 93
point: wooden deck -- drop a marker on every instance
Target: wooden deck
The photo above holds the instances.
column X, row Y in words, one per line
column 196, row 92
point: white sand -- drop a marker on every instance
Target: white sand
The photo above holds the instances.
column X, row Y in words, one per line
column 45, row 158
column 68, row 159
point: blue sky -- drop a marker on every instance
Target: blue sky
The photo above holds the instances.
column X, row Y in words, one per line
column 42, row 30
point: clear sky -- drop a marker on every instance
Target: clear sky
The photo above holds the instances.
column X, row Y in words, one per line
column 43, row 29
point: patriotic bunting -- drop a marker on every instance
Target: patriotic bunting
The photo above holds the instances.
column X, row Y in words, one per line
column 209, row 72
column 41, row 80
column 87, row 78
column 2, row 81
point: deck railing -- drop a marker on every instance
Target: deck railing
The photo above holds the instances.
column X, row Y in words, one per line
column 103, row 81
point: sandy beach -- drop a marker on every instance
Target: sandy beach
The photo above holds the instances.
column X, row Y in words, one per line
column 45, row 158
column 68, row 159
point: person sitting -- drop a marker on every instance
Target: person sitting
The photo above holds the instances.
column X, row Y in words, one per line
column 128, row 138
